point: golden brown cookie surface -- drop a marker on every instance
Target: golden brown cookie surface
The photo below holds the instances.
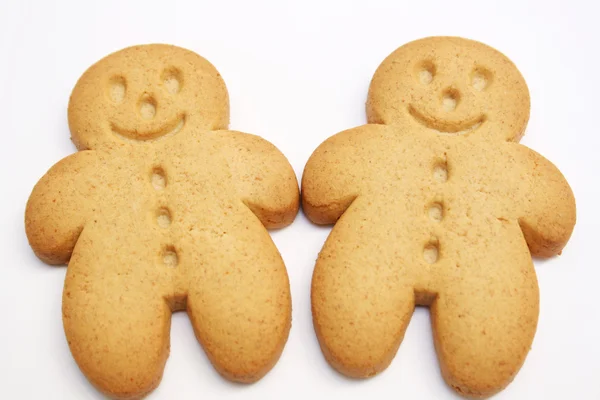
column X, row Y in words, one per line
column 165, row 211
column 434, row 204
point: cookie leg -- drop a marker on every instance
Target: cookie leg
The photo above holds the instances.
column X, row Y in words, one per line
column 484, row 327
column 117, row 327
column 362, row 300
column 239, row 302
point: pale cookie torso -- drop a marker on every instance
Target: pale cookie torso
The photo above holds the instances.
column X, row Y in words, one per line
column 172, row 201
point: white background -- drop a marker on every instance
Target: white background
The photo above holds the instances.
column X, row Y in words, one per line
column 296, row 75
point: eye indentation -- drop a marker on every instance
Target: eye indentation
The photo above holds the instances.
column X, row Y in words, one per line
column 172, row 79
column 117, row 87
column 425, row 72
column 481, row 79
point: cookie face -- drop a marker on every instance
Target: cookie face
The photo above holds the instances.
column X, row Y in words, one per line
column 145, row 93
column 164, row 213
column 452, row 86
column 434, row 204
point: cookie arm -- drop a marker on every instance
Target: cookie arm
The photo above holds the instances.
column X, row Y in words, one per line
column 337, row 170
column 265, row 179
column 56, row 210
column 549, row 213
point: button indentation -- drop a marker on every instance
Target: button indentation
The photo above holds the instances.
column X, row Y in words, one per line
column 163, row 217
column 159, row 179
column 170, row 258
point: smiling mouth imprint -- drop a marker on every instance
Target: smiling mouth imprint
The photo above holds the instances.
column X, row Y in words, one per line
column 447, row 128
column 134, row 136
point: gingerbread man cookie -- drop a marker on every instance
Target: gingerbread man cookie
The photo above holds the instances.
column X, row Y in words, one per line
column 163, row 209
column 436, row 204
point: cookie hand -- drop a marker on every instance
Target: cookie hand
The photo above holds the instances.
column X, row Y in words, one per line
column 59, row 206
column 548, row 213
column 264, row 177
column 330, row 183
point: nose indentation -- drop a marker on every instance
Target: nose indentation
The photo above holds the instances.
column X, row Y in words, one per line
column 147, row 107
column 450, row 99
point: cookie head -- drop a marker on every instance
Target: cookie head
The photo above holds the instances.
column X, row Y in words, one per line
column 145, row 93
column 452, row 86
